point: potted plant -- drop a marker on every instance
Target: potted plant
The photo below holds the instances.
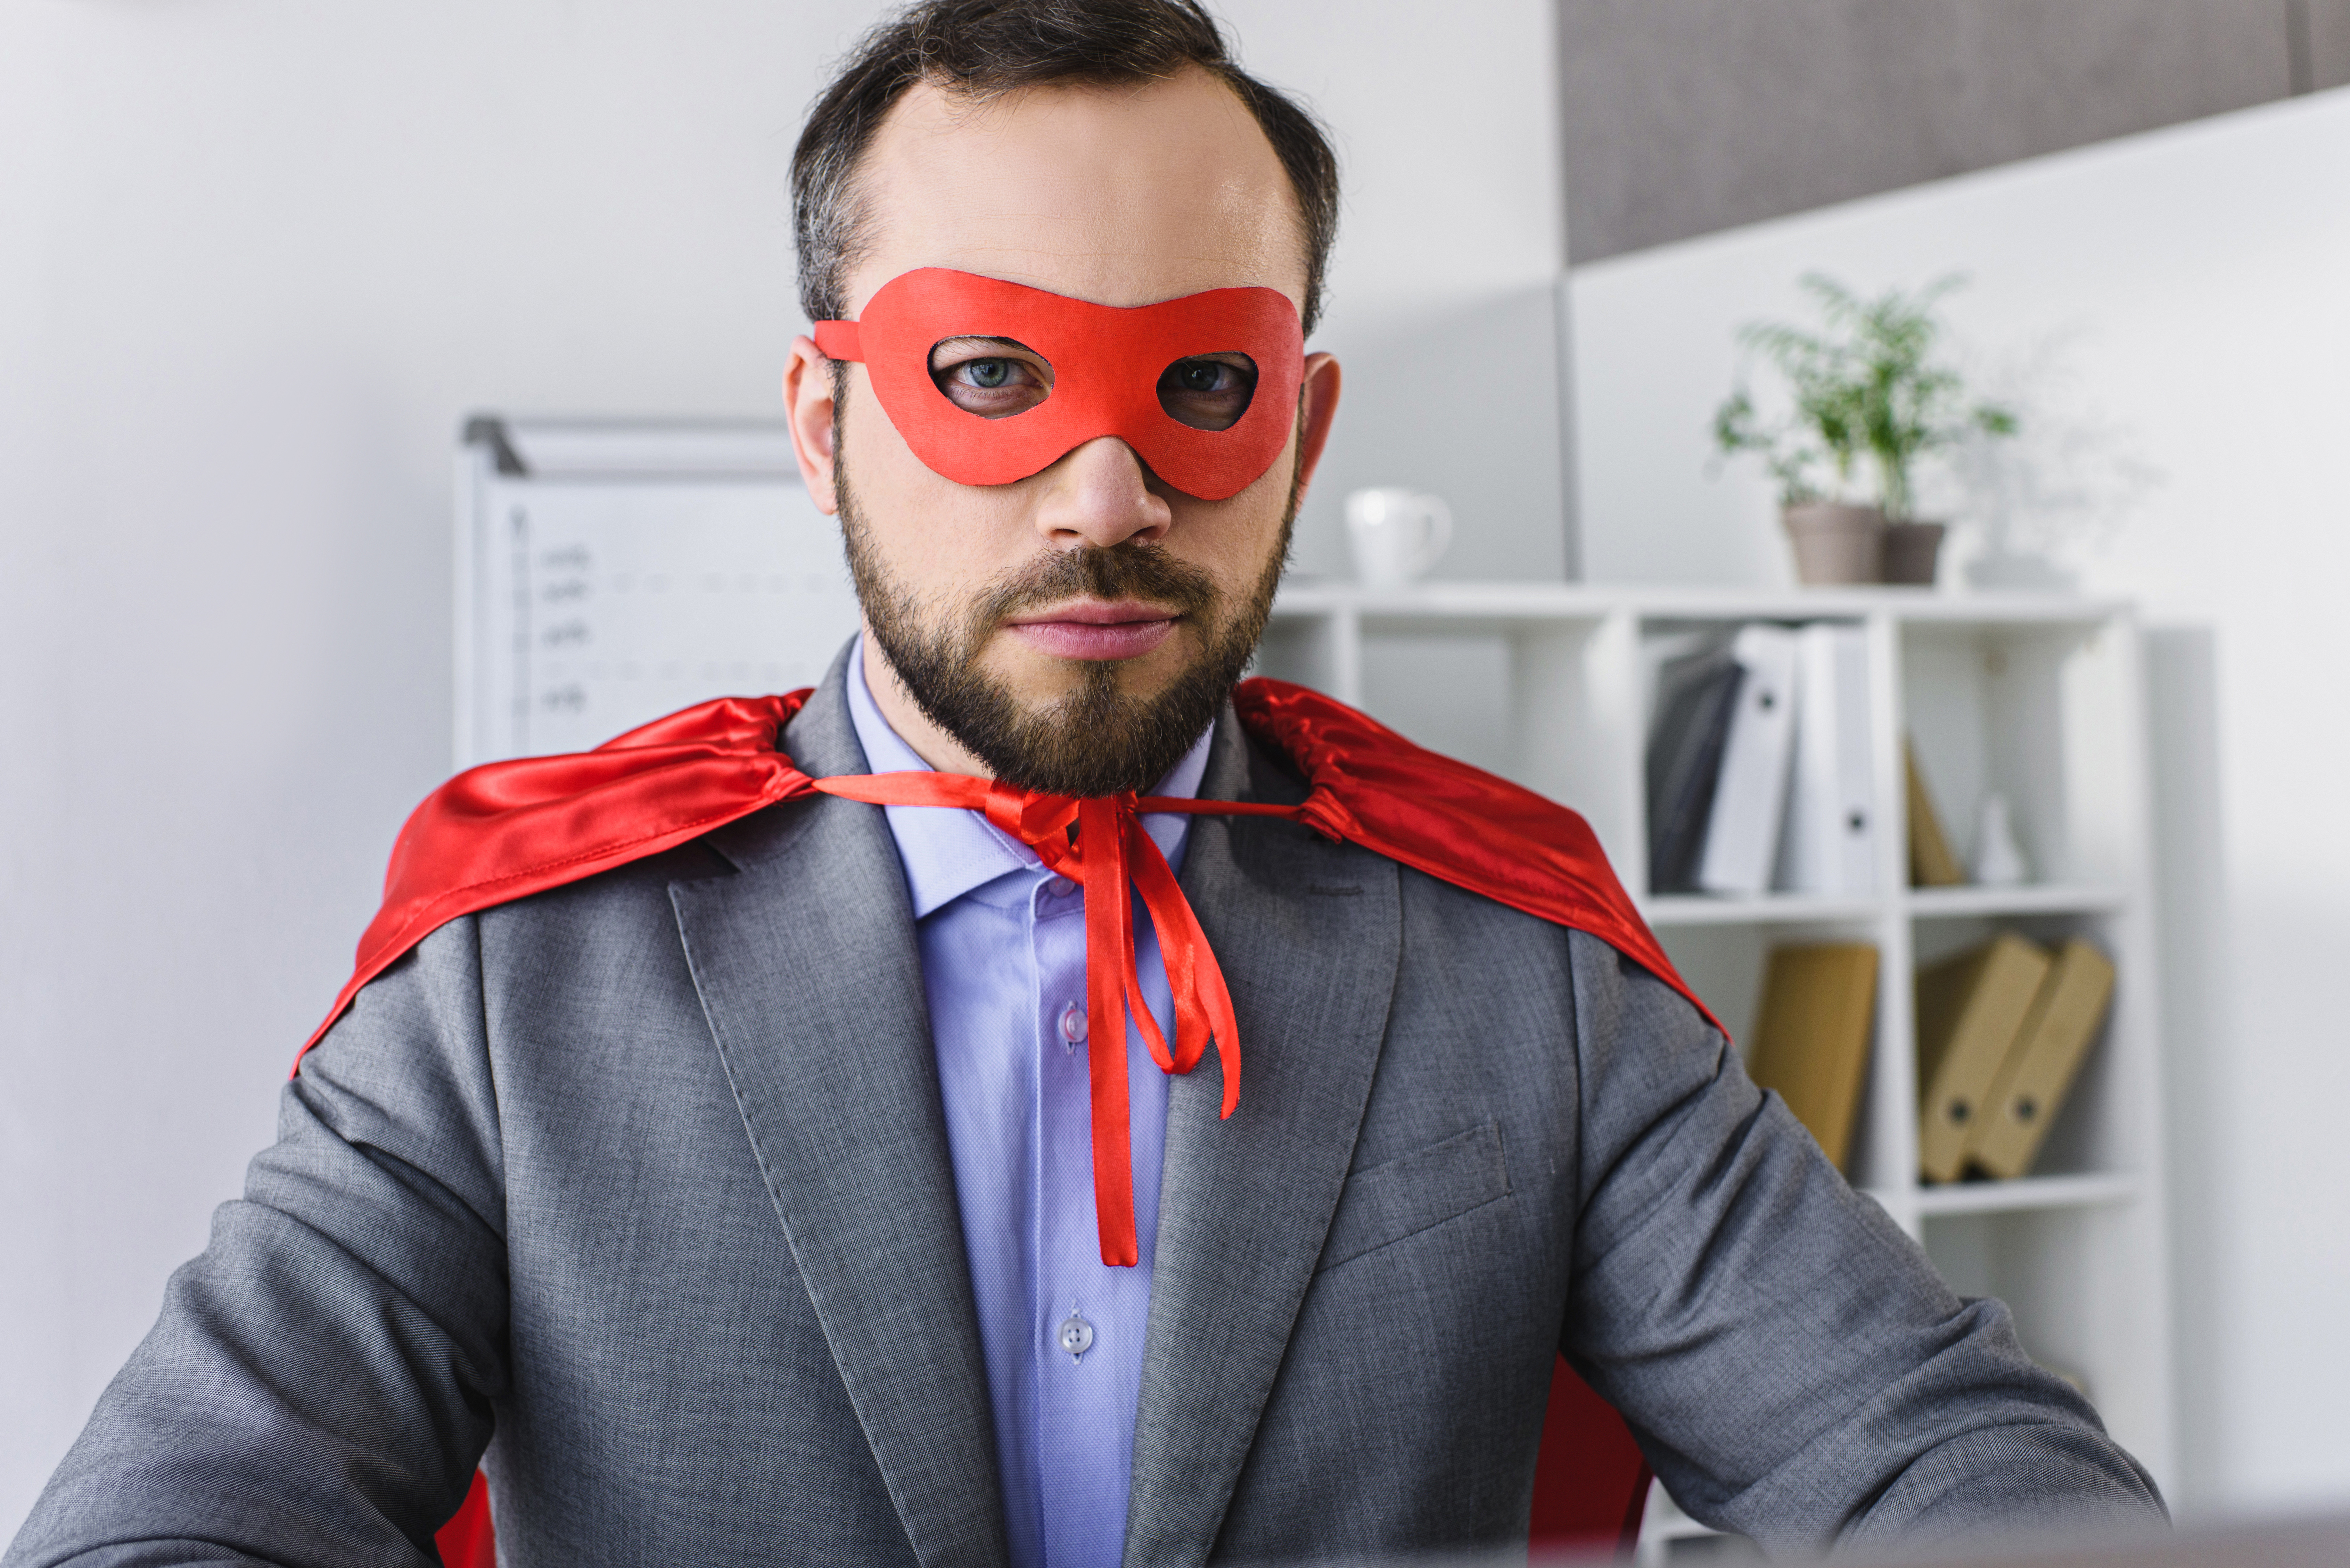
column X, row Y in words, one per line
column 1864, row 393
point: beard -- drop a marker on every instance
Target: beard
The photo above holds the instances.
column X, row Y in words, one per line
column 1095, row 740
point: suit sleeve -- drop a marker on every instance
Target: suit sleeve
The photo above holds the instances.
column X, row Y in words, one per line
column 1792, row 1363
column 318, row 1387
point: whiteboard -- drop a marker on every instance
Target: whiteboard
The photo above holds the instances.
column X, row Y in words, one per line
column 609, row 573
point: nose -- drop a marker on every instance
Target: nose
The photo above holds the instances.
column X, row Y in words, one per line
column 1097, row 495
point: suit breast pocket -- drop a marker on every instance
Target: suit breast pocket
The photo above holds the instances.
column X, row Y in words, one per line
column 1414, row 1193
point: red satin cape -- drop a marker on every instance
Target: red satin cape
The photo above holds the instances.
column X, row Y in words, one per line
column 512, row 828
column 507, row 830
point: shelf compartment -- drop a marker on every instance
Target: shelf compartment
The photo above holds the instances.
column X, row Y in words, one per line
column 2029, row 899
column 2086, row 1190
column 2043, row 716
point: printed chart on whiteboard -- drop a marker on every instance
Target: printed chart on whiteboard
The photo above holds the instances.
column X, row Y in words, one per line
column 593, row 600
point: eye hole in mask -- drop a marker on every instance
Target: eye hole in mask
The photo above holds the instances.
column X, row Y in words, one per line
column 1207, row 391
column 994, row 378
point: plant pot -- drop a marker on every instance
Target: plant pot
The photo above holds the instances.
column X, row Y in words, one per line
column 1910, row 551
column 1835, row 543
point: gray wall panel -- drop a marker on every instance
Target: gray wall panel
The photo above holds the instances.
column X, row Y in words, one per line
column 1684, row 117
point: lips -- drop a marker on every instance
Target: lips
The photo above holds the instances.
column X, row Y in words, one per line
column 1093, row 629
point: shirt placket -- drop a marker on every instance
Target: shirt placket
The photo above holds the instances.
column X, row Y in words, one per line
column 1088, row 1318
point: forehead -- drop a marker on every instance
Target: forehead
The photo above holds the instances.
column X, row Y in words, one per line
column 1121, row 194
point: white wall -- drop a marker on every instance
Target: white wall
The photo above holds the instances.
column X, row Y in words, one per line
column 1442, row 291
column 2193, row 288
column 257, row 258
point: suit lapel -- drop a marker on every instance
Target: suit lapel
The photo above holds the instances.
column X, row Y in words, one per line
column 1308, row 934
column 807, row 969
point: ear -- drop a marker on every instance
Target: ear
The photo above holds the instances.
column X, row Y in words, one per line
column 808, row 407
column 1318, row 406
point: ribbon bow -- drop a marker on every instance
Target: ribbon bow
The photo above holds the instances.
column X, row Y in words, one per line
column 1107, row 854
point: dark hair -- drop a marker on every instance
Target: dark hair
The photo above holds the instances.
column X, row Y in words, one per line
column 979, row 48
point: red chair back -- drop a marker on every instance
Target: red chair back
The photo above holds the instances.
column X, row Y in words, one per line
column 1591, row 1480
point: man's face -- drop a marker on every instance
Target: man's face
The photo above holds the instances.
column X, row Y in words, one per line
column 1074, row 630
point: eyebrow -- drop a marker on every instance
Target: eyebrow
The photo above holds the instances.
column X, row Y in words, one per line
column 983, row 337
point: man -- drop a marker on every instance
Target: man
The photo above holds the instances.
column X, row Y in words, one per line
column 775, row 1197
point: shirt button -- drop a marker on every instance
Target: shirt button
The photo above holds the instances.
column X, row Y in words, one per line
column 1060, row 887
column 1073, row 1026
column 1075, row 1335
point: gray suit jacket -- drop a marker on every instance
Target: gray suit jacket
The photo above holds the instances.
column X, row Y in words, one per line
column 642, row 1186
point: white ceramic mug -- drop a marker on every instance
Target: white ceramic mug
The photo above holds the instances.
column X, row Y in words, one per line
column 1397, row 535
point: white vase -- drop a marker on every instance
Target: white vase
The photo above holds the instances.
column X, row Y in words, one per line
column 1999, row 859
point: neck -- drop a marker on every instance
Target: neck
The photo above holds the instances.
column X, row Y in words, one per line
column 929, row 743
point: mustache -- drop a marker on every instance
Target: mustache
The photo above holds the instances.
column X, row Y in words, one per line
column 1143, row 572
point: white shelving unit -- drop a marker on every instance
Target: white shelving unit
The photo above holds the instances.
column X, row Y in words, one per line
column 2038, row 697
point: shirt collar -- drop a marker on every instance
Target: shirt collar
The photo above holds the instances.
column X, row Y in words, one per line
column 948, row 853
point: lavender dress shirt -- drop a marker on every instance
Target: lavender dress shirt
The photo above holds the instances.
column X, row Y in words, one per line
column 1003, row 960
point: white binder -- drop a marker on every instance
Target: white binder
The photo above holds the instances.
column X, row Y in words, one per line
column 610, row 572
column 1830, row 844
column 1741, row 838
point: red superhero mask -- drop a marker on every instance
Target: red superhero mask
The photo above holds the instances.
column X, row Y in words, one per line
column 1123, row 372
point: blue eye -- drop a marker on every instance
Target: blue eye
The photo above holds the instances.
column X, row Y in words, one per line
column 993, row 386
